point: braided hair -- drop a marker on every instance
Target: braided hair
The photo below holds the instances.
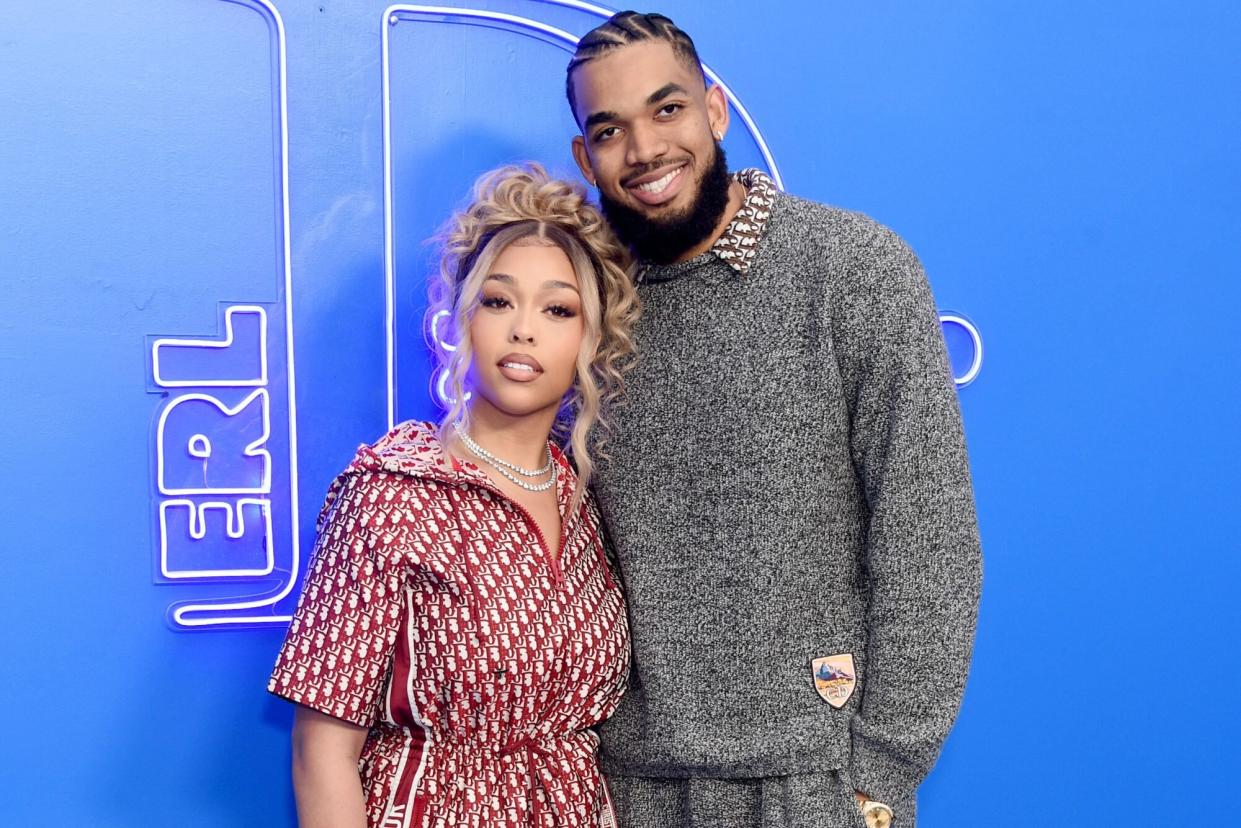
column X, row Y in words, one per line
column 622, row 29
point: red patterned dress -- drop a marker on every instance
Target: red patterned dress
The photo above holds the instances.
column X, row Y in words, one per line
column 434, row 614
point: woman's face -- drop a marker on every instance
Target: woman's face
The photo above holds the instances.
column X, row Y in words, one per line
column 526, row 331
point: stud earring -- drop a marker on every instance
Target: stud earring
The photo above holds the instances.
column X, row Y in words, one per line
column 719, row 136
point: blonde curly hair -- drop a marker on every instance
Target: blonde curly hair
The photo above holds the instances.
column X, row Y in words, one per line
column 510, row 204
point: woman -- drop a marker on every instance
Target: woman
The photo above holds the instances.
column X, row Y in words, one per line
column 459, row 630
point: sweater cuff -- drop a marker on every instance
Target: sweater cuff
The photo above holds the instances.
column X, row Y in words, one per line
column 882, row 775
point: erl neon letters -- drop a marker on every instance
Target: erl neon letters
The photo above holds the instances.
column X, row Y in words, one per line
column 213, row 469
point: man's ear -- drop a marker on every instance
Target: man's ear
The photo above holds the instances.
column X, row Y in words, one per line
column 717, row 109
column 583, row 159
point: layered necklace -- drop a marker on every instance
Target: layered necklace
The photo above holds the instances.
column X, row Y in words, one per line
column 511, row 471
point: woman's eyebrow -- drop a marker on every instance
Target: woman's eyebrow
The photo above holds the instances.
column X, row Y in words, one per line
column 550, row 284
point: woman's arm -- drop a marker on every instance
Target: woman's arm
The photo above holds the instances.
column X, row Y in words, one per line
column 325, row 771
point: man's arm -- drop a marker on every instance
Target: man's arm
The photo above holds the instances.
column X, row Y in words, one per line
column 922, row 555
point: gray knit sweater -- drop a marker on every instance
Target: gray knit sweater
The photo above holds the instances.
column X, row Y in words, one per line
column 788, row 480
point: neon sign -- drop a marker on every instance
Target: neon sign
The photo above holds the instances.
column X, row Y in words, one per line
column 974, row 361
column 225, row 437
column 214, row 469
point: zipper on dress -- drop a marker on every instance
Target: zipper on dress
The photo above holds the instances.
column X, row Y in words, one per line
column 553, row 562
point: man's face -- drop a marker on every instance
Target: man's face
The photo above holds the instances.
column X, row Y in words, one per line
column 647, row 136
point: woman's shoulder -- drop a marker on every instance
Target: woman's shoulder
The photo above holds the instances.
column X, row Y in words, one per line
column 412, row 438
column 411, row 449
column 408, row 456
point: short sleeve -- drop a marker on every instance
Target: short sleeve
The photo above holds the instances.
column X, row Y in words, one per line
column 338, row 652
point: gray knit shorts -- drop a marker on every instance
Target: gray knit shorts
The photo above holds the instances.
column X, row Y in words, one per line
column 808, row 800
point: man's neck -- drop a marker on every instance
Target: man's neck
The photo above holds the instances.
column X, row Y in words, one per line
column 736, row 197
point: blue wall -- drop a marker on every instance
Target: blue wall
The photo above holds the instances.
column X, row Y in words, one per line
column 1068, row 172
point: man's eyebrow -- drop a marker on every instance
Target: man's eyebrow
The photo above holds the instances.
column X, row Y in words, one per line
column 664, row 91
column 654, row 98
column 598, row 118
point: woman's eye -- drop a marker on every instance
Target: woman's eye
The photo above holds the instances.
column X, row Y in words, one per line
column 563, row 311
column 494, row 302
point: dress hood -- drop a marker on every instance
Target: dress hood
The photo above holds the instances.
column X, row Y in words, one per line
column 413, row 449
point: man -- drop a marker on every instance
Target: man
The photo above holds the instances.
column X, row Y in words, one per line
column 787, row 492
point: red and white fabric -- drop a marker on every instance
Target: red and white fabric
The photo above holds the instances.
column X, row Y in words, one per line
column 435, row 614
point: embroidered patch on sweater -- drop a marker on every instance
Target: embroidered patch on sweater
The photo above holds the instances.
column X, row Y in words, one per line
column 835, row 677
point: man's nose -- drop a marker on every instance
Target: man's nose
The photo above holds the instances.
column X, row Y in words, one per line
column 646, row 144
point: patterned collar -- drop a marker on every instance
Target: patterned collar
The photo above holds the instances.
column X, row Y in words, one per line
column 413, row 449
column 737, row 244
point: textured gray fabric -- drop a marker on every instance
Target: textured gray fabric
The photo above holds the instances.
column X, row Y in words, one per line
column 806, row 800
column 787, row 480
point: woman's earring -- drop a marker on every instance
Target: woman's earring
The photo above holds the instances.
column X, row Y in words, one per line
column 719, row 136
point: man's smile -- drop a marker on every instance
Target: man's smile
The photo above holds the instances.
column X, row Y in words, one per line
column 659, row 187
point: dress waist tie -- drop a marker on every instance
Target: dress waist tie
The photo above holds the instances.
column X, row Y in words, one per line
column 557, row 764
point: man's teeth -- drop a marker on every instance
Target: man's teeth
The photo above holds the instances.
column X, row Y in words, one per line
column 658, row 185
column 521, row 366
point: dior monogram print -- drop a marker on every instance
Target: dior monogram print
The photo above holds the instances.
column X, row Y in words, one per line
column 433, row 615
column 740, row 239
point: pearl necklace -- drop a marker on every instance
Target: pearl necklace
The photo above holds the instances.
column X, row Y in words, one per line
column 504, row 467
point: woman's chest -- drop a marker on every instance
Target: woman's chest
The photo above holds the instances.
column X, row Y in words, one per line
column 490, row 615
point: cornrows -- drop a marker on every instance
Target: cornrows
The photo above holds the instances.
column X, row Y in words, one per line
column 623, row 29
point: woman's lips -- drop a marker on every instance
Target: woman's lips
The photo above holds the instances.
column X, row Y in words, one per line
column 520, row 367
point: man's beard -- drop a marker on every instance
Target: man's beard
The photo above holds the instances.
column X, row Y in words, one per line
column 666, row 239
